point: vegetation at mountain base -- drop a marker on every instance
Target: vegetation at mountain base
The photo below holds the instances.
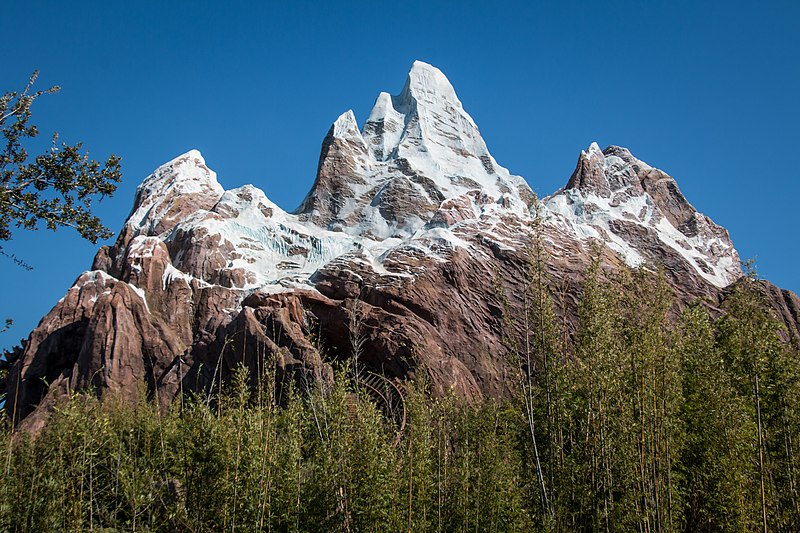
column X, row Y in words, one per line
column 640, row 421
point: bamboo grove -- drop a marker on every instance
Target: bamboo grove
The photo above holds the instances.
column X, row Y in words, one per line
column 640, row 421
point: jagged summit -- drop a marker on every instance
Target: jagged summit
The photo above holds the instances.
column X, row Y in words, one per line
column 172, row 192
column 420, row 164
column 638, row 211
column 416, row 150
column 423, row 111
column 427, row 83
column 346, row 127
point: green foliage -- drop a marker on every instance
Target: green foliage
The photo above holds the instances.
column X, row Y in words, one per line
column 641, row 423
column 602, row 446
column 765, row 375
column 56, row 187
column 645, row 426
column 718, row 480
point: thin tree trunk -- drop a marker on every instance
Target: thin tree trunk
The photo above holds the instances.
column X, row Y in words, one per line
column 761, row 454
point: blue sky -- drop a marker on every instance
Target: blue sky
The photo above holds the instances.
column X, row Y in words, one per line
column 707, row 91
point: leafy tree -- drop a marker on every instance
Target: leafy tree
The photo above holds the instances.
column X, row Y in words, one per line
column 765, row 373
column 610, row 422
column 653, row 389
column 719, row 482
column 56, row 187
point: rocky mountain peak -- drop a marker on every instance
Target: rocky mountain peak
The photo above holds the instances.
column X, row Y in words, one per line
column 427, row 126
column 638, row 211
column 346, row 127
column 173, row 192
column 427, row 93
column 607, row 172
column 427, row 84
column 416, row 150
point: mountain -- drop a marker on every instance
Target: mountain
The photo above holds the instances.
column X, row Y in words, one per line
column 639, row 212
column 416, row 150
column 411, row 239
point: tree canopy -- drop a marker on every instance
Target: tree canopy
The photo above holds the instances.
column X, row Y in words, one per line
column 55, row 188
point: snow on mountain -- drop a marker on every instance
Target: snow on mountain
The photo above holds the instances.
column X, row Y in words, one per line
column 416, row 150
column 418, row 176
column 172, row 192
column 639, row 212
column 236, row 238
column 410, row 218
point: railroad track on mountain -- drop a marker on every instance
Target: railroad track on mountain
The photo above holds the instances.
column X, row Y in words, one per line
column 386, row 396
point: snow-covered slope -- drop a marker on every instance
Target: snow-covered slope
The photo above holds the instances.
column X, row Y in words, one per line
column 418, row 176
column 638, row 211
column 416, row 150
column 237, row 238
column 241, row 239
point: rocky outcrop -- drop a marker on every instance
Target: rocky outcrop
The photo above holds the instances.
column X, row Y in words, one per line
column 413, row 242
column 639, row 211
column 416, row 150
column 783, row 305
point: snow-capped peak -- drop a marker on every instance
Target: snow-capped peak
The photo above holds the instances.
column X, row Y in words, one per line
column 173, row 191
column 346, row 127
column 426, row 83
column 593, row 149
column 416, row 150
column 427, row 125
column 639, row 211
column 412, row 219
column 419, row 165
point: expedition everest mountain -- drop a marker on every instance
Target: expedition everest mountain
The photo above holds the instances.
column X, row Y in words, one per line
column 410, row 226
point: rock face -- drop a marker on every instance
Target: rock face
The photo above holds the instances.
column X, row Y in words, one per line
column 638, row 211
column 416, row 150
column 408, row 240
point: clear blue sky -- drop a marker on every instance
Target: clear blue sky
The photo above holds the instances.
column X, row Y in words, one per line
column 708, row 93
